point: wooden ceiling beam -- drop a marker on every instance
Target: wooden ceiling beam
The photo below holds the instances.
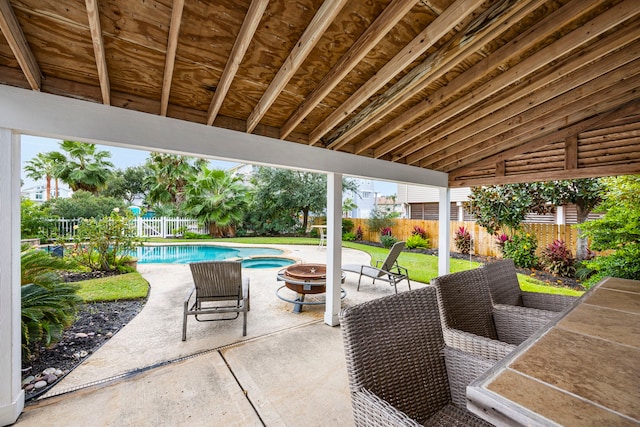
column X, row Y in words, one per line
column 584, row 172
column 367, row 41
column 93, row 14
column 170, row 58
column 19, row 46
column 444, row 23
column 632, row 107
column 519, row 98
column 481, row 31
column 577, row 109
column 571, row 152
column 527, row 101
column 318, row 25
column 240, row 46
column 604, row 22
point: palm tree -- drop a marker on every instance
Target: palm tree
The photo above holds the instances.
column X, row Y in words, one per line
column 217, row 197
column 44, row 165
column 169, row 175
column 84, row 168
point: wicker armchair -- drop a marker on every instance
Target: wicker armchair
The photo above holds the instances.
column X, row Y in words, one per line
column 400, row 372
column 505, row 290
column 471, row 323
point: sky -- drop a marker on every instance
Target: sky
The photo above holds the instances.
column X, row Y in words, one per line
column 125, row 157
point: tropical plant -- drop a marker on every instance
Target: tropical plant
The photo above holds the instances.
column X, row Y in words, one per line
column 347, row 225
column 348, row 237
column 416, row 241
column 48, row 305
column 359, row 233
column 499, row 206
column 347, row 206
column 388, row 240
column 169, row 175
column 216, row 197
column 105, row 244
column 83, row 167
column 618, row 230
column 417, row 230
column 521, row 248
column 463, row 240
column 557, row 259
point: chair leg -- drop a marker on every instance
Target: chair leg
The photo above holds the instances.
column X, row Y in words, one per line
column 184, row 322
column 359, row 280
column 244, row 325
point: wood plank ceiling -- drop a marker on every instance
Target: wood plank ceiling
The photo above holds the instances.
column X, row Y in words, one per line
column 493, row 91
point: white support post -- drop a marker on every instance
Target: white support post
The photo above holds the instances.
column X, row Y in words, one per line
column 334, row 248
column 11, row 395
column 444, row 230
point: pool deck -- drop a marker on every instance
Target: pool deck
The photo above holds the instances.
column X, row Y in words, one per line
column 288, row 371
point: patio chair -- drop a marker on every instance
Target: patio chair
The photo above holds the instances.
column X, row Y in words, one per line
column 387, row 270
column 219, row 288
column 400, row 371
column 505, row 289
column 467, row 316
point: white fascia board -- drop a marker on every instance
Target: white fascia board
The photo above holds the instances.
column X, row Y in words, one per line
column 47, row 115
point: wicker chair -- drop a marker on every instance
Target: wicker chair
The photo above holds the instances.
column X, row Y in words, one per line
column 468, row 315
column 216, row 283
column 505, row 290
column 388, row 270
column 400, row 372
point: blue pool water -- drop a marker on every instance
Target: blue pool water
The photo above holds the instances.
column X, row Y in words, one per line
column 266, row 262
column 184, row 254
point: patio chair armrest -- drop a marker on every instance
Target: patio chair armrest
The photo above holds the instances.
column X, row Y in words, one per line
column 462, row 369
column 484, row 347
column 191, row 291
column 548, row 302
column 515, row 324
column 371, row 410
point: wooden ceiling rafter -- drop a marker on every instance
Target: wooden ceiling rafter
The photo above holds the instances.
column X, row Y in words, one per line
column 598, row 120
column 517, row 102
column 534, row 63
column 549, row 122
column 312, row 34
column 240, row 46
column 93, row 13
column 170, row 60
column 18, row 43
column 449, row 19
column 508, row 51
column 479, row 32
column 517, row 93
column 393, row 13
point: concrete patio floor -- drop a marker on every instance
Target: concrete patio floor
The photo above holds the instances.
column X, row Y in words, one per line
column 288, row 371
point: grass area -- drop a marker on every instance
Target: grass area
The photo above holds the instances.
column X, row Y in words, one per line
column 422, row 267
column 114, row 288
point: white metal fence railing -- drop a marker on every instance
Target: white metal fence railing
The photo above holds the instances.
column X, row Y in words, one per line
column 146, row 227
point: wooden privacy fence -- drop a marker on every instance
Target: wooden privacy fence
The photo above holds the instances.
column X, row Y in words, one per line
column 483, row 243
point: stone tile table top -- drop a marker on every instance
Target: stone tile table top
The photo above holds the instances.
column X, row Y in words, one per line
column 581, row 369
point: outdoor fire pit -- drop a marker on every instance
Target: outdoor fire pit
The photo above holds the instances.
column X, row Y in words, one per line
column 304, row 279
column 313, row 276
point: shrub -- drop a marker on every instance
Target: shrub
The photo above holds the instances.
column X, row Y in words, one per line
column 419, row 231
column 386, row 231
column 416, row 241
column 463, row 240
column 35, row 221
column 501, row 239
column 359, row 233
column 105, row 244
column 521, row 248
column 348, row 237
column 380, row 219
column 557, row 259
column 347, row 225
column 388, row 240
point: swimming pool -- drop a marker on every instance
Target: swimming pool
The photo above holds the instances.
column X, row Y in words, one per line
column 184, row 254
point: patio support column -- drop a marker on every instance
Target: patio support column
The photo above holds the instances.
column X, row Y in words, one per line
column 444, row 230
column 334, row 248
column 11, row 395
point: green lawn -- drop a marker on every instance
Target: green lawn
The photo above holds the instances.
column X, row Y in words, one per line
column 114, row 288
column 422, row 267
